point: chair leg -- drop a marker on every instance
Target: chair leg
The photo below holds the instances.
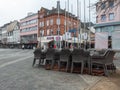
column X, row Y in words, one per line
column 59, row 65
column 91, row 68
column 46, row 63
column 113, row 68
column 72, row 67
column 39, row 62
column 34, row 62
column 105, row 70
column 82, row 67
column 67, row 66
column 52, row 64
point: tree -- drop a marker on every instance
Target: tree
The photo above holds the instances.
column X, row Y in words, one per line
column 106, row 5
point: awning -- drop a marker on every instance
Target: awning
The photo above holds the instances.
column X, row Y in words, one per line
column 72, row 41
column 45, row 41
column 73, row 30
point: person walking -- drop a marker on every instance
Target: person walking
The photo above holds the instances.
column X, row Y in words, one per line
column 23, row 46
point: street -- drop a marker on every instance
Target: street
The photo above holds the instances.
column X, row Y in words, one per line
column 17, row 73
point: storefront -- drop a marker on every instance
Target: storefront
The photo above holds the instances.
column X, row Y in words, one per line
column 50, row 41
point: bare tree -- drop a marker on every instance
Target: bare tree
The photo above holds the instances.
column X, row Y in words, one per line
column 101, row 5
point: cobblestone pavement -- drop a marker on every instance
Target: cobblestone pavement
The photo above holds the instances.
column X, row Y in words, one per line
column 17, row 73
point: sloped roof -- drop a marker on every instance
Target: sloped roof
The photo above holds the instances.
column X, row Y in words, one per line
column 11, row 26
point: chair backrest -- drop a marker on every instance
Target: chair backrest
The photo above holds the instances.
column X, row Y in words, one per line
column 37, row 53
column 65, row 54
column 78, row 55
column 86, row 55
column 77, row 51
column 50, row 53
column 109, row 57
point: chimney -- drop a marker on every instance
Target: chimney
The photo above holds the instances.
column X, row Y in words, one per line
column 58, row 4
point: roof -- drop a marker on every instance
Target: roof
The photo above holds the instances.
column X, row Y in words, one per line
column 29, row 16
column 61, row 11
column 11, row 26
column 107, row 24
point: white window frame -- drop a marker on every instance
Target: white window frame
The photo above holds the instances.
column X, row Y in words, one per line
column 111, row 16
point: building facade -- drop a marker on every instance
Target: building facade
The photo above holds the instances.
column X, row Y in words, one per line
column 13, row 33
column 29, row 30
column 108, row 19
column 52, row 25
column 4, row 33
column 8, row 37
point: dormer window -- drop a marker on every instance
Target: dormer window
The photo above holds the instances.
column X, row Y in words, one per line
column 111, row 4
column 103, row 6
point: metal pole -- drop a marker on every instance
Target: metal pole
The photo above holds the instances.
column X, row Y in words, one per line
column 78, row 21
column 68, row 19
column 80, row 25
column 65, row 24
column 89, row 26
column 84, row 25
column 58, row 28
column 72, row 25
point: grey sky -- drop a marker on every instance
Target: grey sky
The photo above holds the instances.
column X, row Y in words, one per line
column 17, row 9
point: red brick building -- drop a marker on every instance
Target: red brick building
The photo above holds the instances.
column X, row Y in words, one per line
column 54, row 23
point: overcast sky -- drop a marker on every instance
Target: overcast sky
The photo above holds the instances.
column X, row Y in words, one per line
column 11, row 10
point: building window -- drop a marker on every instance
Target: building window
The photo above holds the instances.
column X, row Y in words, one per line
column 75, row 24
column 103, row 17
column 47, row 22
column 111, row 4
column 111, row 16
column 41, row 32
column 42, row 24
column 65, row 22
column 58, row 32
column 103, row 6
column 51, row 32
column 51, row 21
column 41, row 16
column 58, row 21
column 48, row 32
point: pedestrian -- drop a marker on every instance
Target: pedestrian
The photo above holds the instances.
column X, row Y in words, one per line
column 23, row 46
column 54, row 46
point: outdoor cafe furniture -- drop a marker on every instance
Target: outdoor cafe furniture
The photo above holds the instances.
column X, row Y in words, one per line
column 65, row 56
column 87, row 60
column 50, row 57
column 80, row 56
column 77, row 57
column 38, row 55
column 56, row 58
column 104, row 60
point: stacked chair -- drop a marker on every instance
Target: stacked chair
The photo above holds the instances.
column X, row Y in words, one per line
column 50, row 55
column 80, row 56
column 38, row 55
column 65, row 55
column 104, row 60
